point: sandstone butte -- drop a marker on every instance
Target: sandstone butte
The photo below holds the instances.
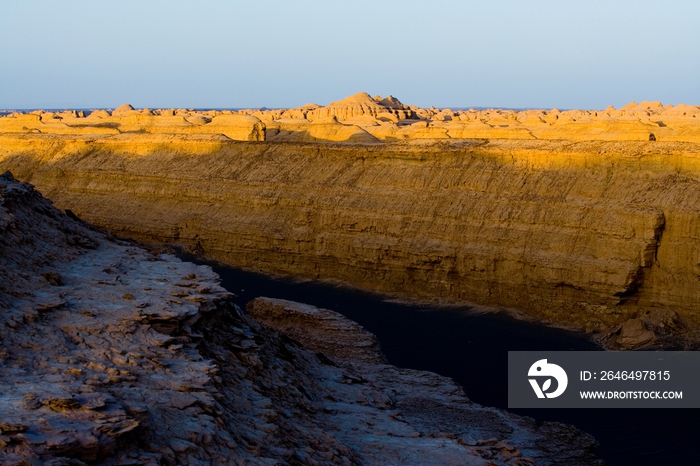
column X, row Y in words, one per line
column 581, row 218
column 111, row 354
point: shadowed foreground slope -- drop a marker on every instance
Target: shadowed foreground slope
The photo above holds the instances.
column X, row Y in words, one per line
column 112, row 355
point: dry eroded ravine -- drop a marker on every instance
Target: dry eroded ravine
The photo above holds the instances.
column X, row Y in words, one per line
column 585, row 234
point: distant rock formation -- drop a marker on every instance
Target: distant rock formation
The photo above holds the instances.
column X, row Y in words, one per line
column 361, row 104
column 361, row 118
column 113, row 355
column 122, row 109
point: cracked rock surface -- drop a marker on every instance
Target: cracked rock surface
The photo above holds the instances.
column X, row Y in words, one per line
column 112, row 355
column 423, row 418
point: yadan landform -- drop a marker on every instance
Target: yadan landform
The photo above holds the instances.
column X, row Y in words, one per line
column 111, row 353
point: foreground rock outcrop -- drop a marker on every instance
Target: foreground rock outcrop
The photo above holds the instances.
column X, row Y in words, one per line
column 110, row 354
column 432, row 407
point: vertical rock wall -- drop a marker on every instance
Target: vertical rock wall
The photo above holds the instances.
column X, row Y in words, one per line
column 588, row 234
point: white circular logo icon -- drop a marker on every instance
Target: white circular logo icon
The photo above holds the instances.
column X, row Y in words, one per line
column 543, row 369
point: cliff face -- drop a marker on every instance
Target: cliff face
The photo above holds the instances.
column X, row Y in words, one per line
column 589, row 233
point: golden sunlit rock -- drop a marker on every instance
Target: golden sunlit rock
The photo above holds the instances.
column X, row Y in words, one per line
column 362, row 118
column 578, row 217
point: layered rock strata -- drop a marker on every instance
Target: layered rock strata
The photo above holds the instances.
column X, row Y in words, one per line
column 112, row 355
column 588, row 234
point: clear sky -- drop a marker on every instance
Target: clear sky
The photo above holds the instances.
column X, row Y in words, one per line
column 284, row 53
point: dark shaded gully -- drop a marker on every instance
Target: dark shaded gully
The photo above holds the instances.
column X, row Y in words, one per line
column 473, row 350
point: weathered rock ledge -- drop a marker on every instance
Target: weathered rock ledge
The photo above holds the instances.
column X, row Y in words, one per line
column 431, row 407
column 112, row 355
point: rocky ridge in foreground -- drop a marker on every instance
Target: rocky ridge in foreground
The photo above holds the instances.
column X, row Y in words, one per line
column 110, row 354
column 429, row 404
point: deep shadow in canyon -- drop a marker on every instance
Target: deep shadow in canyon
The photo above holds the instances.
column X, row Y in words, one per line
column 472, row 349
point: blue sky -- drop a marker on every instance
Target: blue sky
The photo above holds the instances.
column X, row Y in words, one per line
column 446, row 53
